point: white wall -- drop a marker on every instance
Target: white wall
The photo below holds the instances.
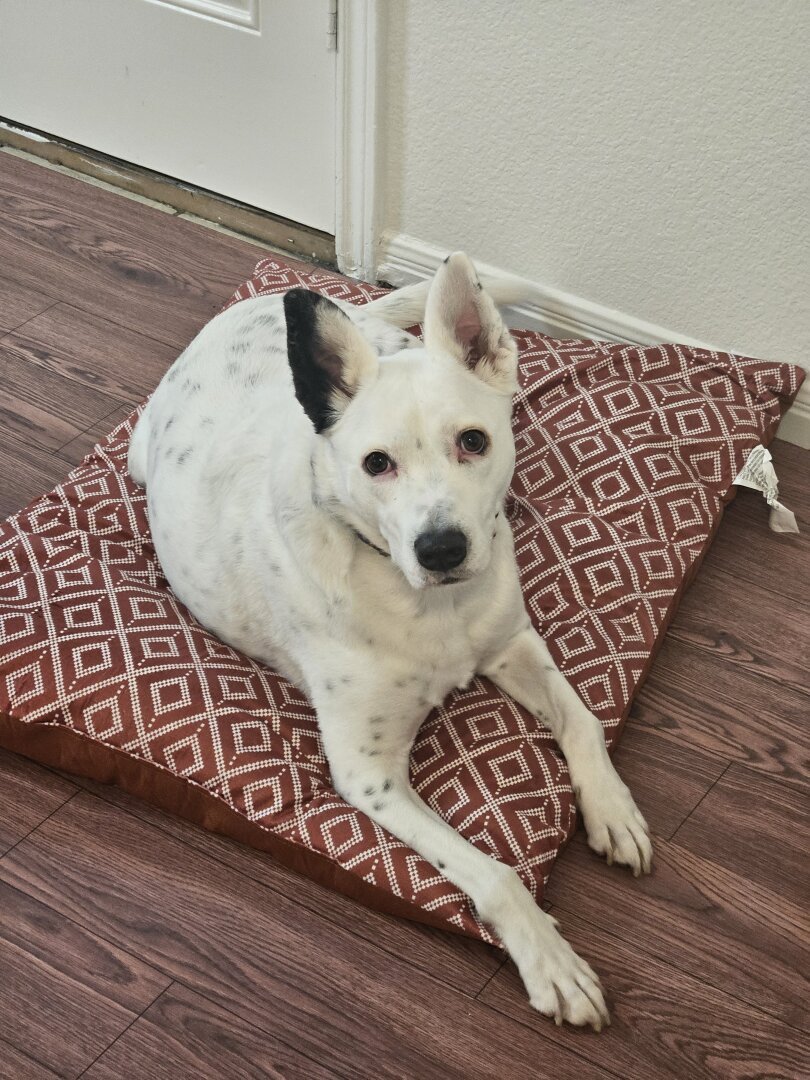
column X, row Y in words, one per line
column 649, row 156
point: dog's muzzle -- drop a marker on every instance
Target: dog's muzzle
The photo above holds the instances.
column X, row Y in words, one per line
column 441, row 549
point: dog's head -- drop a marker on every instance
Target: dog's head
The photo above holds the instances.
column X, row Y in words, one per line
column 416, row 448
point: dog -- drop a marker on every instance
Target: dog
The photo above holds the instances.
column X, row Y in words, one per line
column 326, row 494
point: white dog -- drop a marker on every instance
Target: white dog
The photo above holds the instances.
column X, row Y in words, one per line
column 326, row 494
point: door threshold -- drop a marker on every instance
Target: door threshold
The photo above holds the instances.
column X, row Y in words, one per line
column 207, row 207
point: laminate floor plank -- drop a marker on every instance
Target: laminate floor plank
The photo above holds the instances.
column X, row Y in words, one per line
column 41, row 407
column 792, row 464
column 709, row 922
column 757, row 828
column 17, row 1065
column 664, row 1024
column 26, row 471
column 19, row 303
column 28, row 795
column 114, row 257
column 742, row 623
column 65, row 994
column 96, row 352
column 181, row 1036
column 694, row 698
column 249, row 951
column 74, row 452
column 779, row 562
column 667, row 780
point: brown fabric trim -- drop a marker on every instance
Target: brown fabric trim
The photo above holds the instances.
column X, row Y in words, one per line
column 72, row 751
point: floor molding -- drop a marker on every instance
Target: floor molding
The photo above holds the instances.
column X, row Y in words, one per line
column 247, row 221
column 404, row 259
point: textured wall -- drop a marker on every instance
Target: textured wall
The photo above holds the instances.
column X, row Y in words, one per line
column 648, row 155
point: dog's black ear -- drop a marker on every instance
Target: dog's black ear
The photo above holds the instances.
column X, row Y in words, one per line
column 461, row 319
column 329, row 357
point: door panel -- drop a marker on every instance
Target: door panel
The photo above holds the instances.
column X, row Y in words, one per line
column 237, row 96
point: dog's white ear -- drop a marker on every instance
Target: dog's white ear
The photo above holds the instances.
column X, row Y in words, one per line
column 461, row 319
column 329, row 357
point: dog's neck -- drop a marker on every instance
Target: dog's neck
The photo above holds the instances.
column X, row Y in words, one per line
column 326, row 501
column 365, row 539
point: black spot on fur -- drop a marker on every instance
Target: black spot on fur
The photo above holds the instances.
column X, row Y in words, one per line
column 185, row 455
column 503, row 666
column 316, row 370
column 374, row 753
column 379, row 806
column 498, row 514
column 370, row 790
column 386, row 785
column 549, row 667
column 232, row 368
column 328, row 685
column 376, row 720
column 440, row 864
column 446, row 259
column 376, row 737
column 346, row 679
column 169, row 423
column 207, row 421
column 418, row 444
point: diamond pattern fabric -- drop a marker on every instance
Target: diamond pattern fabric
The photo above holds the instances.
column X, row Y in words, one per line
column 625, row 456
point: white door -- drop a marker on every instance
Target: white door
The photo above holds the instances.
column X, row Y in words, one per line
column 237, row 96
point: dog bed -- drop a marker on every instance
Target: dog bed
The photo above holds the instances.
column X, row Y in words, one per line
column 625, row 457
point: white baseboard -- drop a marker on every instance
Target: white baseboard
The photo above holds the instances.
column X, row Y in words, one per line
column 404, row 259
column 795, row 426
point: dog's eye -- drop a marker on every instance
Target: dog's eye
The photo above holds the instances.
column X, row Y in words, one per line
column 473, row 441
column 376, row 463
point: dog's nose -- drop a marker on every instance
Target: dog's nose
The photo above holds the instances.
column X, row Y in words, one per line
column 442, row 549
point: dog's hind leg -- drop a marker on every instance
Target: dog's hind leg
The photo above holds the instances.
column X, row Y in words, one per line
column 370, row 770
column 139, row 448
column 615, row 827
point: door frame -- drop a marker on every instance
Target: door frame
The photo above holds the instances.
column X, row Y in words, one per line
column 356, row 173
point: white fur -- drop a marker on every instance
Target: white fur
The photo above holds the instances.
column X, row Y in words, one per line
column 255, row 519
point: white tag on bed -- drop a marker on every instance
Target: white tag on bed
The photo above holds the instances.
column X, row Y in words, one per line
column 758, row 473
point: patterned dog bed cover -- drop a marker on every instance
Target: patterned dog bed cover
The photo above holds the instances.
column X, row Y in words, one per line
column 625, row 457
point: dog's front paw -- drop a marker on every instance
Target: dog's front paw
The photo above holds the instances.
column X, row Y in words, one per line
column 615, row 826
column 558, row 981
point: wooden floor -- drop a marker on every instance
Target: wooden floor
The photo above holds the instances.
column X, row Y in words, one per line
column 133, row 945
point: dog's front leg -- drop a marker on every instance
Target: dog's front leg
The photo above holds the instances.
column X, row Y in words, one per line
column 615, row 827
column 369, row 758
